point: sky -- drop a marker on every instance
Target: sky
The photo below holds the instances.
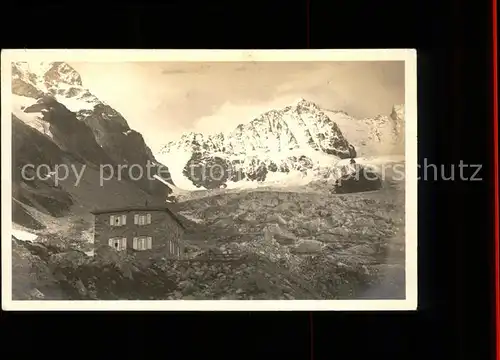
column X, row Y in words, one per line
column 162, row 100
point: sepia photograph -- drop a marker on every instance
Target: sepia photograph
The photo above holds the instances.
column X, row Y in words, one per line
column 209, row 180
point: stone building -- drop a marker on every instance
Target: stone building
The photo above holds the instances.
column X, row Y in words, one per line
column 139, row 229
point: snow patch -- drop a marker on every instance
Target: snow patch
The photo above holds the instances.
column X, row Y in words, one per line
column 24, row 235
column 176, row 163
column 75, row 104
column 32, row 119
column 192, row 218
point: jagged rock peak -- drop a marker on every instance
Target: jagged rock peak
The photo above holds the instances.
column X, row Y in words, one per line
column 303, row 103
column 49, row 73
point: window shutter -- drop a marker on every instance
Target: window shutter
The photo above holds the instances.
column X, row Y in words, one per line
column 134, row 243
column 124, row 219
column 149, row 218
column 124, row 243
column 150, row 242
column 112, row 220
column 110, row 242
column 136, row 219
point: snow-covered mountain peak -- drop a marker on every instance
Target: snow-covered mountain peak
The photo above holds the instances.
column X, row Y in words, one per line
column 46, row 75
column 302, row 136
column 302, row 125
column 37, row 69
column 297, row 137
column 68, row 119
column 58, row 79
column 61, row 73
column 305, row 104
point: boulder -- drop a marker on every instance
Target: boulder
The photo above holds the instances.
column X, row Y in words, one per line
column 358, row 180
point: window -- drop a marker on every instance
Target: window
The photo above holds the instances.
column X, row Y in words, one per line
column 118, row 244
column 142, row 219
column 118, row 220
column 143, row 243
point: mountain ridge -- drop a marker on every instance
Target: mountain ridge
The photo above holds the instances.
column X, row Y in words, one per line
column 299, row 137
column 56, row 122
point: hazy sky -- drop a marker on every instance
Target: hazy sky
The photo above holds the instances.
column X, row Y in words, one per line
column 163, row 100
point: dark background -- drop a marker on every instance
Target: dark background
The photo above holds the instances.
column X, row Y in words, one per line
column 454, row 43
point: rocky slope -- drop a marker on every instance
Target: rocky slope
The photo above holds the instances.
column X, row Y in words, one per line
column 243, row 245
column 56, row 121
column 301, row 138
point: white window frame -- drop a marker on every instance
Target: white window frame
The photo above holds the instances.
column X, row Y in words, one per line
column 142, row 243
column 142, row 219
column 120, row 241
column 118, row 220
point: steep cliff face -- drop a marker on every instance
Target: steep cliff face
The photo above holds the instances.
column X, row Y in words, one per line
column 56, row 122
